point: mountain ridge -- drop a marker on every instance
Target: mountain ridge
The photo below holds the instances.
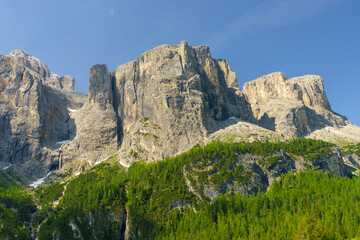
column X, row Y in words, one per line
column 93, row 160
column 159, row 105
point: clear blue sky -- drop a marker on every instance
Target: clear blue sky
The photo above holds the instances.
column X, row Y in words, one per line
column 296, row 37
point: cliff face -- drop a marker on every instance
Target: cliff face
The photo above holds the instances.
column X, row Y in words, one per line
column 95, row 123
column 294, row 107
column 32, row 120
column 161, row 104
column 23, row 58
column 173, row 96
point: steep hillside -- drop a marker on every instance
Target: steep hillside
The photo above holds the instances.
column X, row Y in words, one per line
column 183, row 196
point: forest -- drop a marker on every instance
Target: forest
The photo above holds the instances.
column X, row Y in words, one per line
column 152, row 201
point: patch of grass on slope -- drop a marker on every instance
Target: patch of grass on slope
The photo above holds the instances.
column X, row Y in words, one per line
column 352, row 149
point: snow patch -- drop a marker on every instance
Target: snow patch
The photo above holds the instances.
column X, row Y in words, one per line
column 96, row 163
column 232, row 118
column 71, row 110
column 7, row 167
column 34, row 58
column 124, row 164
column 39, row 181
column 63, row 142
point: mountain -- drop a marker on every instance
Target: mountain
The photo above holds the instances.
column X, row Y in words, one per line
column 168, row 141
column 159, row 105
column 295, row 106
column 34, row 113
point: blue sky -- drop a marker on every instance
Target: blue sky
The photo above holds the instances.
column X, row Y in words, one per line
column 296, row 37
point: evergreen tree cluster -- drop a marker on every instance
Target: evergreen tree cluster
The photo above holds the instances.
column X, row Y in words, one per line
column 155, row 201
column 16, row 208
column 308, row 205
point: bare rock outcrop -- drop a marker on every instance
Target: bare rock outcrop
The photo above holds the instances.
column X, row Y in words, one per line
column 32, row 120
column 95, row 123
column 171, row 97
column 51, row 79
column 295, row 107
column 159, row 105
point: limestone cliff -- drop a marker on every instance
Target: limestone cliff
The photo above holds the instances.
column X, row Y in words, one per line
column 51, row 79
column 95, row 123
column 161, row 104
column 171, row 97
column 295, row 107
column 32, row 119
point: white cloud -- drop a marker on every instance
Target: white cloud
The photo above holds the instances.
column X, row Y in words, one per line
column 112, row 11
column 271, row 14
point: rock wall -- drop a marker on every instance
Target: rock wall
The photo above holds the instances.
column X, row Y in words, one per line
column 295, row 107
column 51, row 79
column 161, row 104
column 171, row 97
column 95, row 123
column 32, row 120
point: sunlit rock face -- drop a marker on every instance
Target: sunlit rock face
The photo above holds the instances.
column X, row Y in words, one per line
column 95, row 124
column 295, row 106
column 173, row 96
column 34, row 114
column 159, row 105
column 51, row 79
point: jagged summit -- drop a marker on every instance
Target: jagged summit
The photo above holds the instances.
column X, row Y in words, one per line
column 51, row 79
column 20, row 53
column 34, row 113
column 158, row 105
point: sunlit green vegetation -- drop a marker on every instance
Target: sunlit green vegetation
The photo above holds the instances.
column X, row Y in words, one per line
column 16, row 208
column 308, row 205
column 352, row 149
column 92, row 206
column 49, row 193
column 155, row 201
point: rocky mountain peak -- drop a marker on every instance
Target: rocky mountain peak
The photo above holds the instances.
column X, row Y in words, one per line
column 49, row 78
column 173, row 96
column 100, row 86
column 163, row 103
column 295, row 106
column 19, row 53
column 311, row 91
column 34, row 116
column 308, row 89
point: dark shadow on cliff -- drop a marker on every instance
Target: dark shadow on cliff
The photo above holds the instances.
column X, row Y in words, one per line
column 267, row 122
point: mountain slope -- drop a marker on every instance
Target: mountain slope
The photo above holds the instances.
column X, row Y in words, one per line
column 148, row 200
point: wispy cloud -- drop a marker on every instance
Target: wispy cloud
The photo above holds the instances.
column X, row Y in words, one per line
column 112, row 11
column 271, row 14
